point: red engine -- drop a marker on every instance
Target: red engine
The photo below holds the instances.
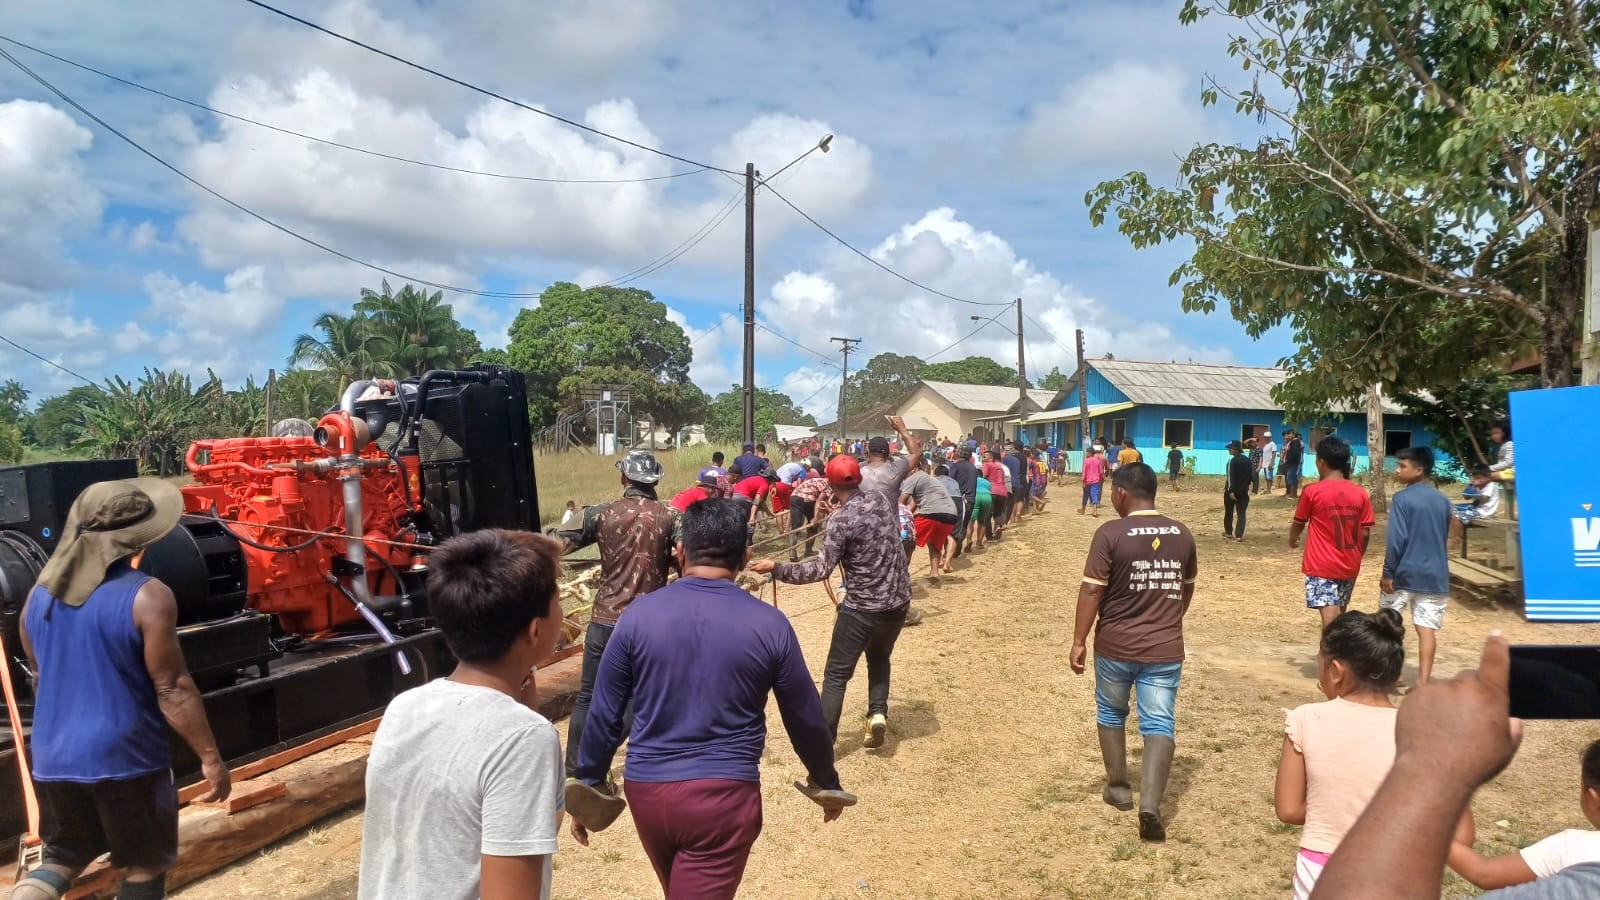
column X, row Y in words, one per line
column 277, row 495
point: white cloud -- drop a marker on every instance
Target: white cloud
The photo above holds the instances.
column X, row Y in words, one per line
column 211, row 329
column 44, row 196
column 1128, row 115
column 847, row 296
column 131, row 338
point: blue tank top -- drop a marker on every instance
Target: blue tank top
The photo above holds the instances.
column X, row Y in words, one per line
column 95, row 715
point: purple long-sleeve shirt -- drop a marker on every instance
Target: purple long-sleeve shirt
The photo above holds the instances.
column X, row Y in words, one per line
column 698, row 659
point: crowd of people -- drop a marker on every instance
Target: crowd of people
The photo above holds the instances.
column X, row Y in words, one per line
column 467, row 782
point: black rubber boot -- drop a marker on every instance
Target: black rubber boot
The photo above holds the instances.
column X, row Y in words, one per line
column 1153, row 785
column 1114, row 750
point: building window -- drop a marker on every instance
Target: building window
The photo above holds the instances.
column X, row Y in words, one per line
column 1119, row 430
column 1177, row 431
column 1248, row 432
column 1395, row 441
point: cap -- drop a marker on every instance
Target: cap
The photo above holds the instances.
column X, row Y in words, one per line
column 878, row 445
column 1235, row 445
column 640, row 466
column 710, row 474
column 749, row 447
column 843, row 470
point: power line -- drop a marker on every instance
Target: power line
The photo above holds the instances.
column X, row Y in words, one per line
column 332, row 143
column 816, row 393
column 788, row 340
column 482, row 90
column 1051, row 335
column 284, row 229
column 689, row 243
column 852, row 248
column 48, row 362
column 961, row 340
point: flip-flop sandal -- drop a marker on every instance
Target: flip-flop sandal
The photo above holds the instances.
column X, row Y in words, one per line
column 825, row 798
column 594, row 808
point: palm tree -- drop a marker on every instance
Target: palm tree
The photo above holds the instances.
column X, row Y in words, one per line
column 420, row 328
column 345, row 346
column 152, row 421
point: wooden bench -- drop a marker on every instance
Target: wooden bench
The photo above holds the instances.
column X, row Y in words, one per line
column 1481, row 580
column 1511, row 533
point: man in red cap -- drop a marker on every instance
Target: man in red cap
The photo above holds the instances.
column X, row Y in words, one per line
column 863, row 538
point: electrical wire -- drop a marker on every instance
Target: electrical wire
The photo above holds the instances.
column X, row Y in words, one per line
column 1051, row 335
column 48, row 362
column 284, row 229
column 482, row 90
column 852, row 248
column 689, row 243
column 814, row 394
column 789, row 340
column 332, row 143
column 961, row 340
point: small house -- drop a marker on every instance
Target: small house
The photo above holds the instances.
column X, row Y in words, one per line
column 942, row 409
column 1199, row 408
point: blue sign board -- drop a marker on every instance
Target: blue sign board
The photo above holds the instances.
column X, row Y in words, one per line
column 1558, row 501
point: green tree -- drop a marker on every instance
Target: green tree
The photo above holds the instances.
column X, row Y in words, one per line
column 575, row 336
column 57, row 423
column 152, row 421
column 725, row 417
column 346, row 347
column 886, row 378
column 1461, row 415
column 305, row 394
column 418, row 329
column 1423, row 202
column 492, row 356
column 241, row 412
column 13, row 402
column 1056, row 380
column 972, row 370
column 10, row 443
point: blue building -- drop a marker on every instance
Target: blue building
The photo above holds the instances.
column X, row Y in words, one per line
column 1199, row 407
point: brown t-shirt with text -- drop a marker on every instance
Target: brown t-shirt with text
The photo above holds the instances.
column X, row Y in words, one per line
column 1143, row 561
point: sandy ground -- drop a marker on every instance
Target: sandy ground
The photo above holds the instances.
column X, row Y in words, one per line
column 989, row 783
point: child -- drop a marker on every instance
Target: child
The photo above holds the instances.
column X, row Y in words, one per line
column 1174, row 465
column 982, row 513
column 1336, row 753
column 1339, row 514
column 1416, row 561
column 469, row 749
column 999, row 491
column 1548, row 856
column 1256, row 453
column 572, row 510
column 1483, row 501
column 1094, row 472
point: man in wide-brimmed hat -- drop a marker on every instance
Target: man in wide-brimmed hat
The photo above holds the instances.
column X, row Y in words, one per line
column 110, row 678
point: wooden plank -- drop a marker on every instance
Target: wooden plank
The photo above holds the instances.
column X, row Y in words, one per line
column 1482, row 576
column 247, row 795
column 278, row 760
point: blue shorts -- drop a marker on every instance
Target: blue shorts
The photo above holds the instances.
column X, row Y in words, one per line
column 1091, row 494
column 1322, row 592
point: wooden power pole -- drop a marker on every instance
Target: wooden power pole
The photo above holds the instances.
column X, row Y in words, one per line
column 1375, row 449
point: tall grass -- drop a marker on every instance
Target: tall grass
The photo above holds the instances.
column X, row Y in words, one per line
column 585, row 478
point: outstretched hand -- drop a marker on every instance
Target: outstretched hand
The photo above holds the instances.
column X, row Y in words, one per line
column 1462, row 727
column 763, row 566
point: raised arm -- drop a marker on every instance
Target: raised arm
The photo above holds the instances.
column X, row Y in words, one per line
column 912, row 443
column 155, row 614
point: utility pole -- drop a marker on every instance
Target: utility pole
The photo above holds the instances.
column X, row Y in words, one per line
column 749, row 302
column 846, row 345
column 1022, row 373
column 1083, row 396
column 272, row 390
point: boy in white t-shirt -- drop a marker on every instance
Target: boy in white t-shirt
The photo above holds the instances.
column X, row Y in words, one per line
column 464, row 784
column 1547, row 857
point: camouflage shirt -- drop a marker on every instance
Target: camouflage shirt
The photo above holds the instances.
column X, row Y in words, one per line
column 636, row 535
column 863, row 538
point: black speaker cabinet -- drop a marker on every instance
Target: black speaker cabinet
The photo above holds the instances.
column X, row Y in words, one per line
column 35, row 499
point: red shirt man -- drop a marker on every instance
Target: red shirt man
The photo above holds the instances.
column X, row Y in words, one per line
column 1339, row 516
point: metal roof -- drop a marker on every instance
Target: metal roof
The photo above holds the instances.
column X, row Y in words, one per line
column 985, row 398
column 1071, row 413
column 1202, row 384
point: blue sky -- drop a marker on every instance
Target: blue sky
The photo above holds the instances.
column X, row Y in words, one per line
column 966, row 137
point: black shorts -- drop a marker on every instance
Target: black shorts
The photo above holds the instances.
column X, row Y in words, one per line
column 136, row 819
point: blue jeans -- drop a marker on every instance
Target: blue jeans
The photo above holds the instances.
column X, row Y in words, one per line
column 595, row 639
column 1114, row 680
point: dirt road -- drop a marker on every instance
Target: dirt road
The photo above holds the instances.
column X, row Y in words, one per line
column 989, row 783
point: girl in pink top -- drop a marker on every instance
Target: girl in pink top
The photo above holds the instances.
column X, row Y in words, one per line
column 1336, row 753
